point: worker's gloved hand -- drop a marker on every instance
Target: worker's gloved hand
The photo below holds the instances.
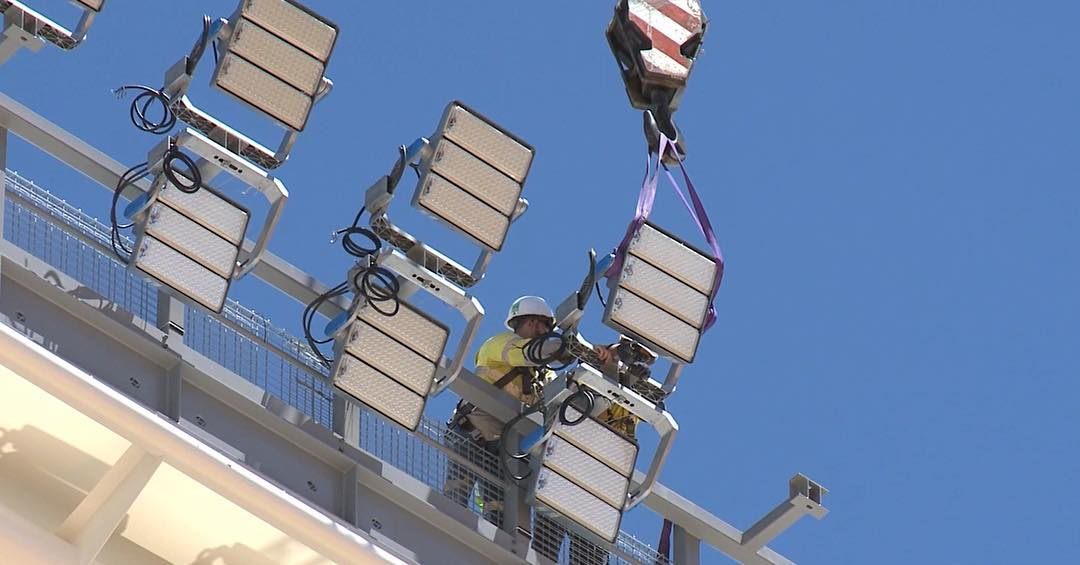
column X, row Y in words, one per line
column 606, row 353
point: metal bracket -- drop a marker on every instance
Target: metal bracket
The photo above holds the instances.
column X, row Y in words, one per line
column 804, row 498
column 14, row 38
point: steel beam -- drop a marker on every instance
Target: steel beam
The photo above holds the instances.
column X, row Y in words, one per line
column 804, row 498
column 686, row 549
column 93, row 521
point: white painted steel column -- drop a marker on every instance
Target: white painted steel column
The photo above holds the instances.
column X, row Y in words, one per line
column 125, row 417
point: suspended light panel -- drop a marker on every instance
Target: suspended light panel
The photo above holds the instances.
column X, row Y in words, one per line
column 190, row 243
column 295, row 24
column 585, row 474
column 94, row 5
column 389, row 362
column 275, row 59
column 474, row 175
column 662, row 293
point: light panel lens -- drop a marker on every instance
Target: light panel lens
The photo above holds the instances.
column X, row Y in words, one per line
column 94, row 5
column 601, row 442
column 383, row 394
column 420, row 333
column 191, row 239
column 296, row 25
column 463, row 211
column 674, row 257
column 392, row 358
column 212, row 211
column 487, row 142
column 176, row 270
column 475, row 176
column 574, row 502
column 588, row 472
column 264, row 91
column 659, row 288
column 281, row 59
column 653, row 324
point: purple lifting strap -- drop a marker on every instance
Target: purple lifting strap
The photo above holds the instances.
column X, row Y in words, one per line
column 697, row 212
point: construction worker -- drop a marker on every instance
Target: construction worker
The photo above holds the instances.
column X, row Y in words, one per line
column 501, row 361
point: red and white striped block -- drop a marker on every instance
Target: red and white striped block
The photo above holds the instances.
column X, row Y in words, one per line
column 668, row 24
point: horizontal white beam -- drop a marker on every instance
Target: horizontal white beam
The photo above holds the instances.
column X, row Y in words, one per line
column 141, row 427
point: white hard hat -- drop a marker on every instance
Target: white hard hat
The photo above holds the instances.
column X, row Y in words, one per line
column 529, row 306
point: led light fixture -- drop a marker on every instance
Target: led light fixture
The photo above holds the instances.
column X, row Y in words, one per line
column 661, row 295
column 585, row 474
column 473, row 176
column 390, row 362
column 274, row 58
column 26, row 28
column 190, row 242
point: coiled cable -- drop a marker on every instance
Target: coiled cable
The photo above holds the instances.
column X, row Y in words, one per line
column 140, row 108
column 130, row 176
column 587, row 396
column 505, row 446
column 308, row 318
column 534, row 351
column 187, row 180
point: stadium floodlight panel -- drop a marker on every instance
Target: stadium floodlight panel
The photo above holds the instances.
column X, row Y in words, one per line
column 263, row 91
column 181, row 273
column 600, row 442
column 574, row 502
column 473, row 176
column 275, row 59
column 294, row 23
column 382, row 393
column 190, row 243
column 389, row 362
column 591, row 474
column 585, row 474
column 94, row 5
column 662, row 293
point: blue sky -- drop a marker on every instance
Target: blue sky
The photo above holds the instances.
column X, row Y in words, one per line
column 894, row 184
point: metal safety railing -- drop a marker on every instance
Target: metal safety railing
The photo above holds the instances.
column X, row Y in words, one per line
column 249, row 345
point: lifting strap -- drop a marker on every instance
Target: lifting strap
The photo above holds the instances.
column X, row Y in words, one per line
column 697, row 211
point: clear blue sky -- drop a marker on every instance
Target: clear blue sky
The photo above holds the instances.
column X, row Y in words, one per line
column 894, row 184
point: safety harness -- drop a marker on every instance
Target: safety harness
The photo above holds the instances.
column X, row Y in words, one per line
column 529, row 384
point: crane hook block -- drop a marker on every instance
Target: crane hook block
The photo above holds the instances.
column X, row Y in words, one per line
column 655, row 43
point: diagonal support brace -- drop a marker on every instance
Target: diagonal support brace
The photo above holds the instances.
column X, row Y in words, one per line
column 93, row 521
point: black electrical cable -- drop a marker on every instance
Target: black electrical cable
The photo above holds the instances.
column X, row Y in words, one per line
column 505, row 448
column 199, row 48
column 590, row 401
column 600, row 295
column 187, row 180
column 217, row 58
column 130, row 176
column 350, row 245
column 377, row 285
column 533, row 350
column 309, row 317
column 140, row 105
column 374, row 283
